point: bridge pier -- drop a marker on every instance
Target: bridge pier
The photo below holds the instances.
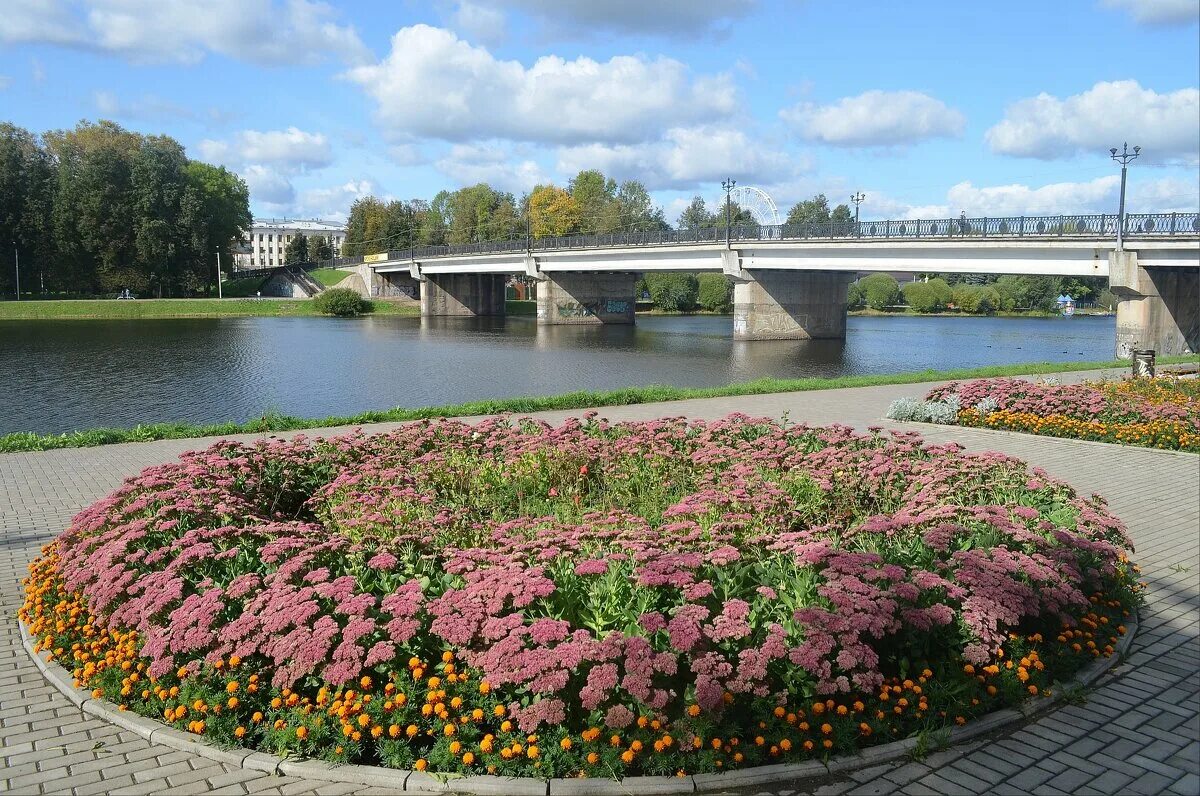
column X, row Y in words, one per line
column 1157, row 308
column 586, row 298
column 790, row 305
column 462, row 294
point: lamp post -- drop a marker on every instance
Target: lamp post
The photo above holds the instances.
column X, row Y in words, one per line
column 728, row 184
column 219, row 294
column 857, row 198
column 1124, row 159
column 17, row 263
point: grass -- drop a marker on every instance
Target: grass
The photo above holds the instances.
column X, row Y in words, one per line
column 174, row 308
column 583, row 399
column 329, row 276
column 514, row 307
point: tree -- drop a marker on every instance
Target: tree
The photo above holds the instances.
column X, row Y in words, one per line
column 715, row 292
column 217, row 211
column 696, row 216
column 319, row 248
column 879, row 291
column 365, row 227
column 976, row 299
column 480, row 213
column 552, row 212
column 931, row 296
column 297, row 250
column 27, row 183
column 596, row 197
column 810, row 211
column 636, row 211
column 673, row 292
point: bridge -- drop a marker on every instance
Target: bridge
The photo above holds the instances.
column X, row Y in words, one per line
column 790, row 281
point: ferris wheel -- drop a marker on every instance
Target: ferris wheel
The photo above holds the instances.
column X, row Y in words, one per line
column 758, row 202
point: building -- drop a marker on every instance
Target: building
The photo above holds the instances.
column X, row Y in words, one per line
column 269, row 238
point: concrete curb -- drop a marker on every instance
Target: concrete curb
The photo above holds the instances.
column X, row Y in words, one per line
column 1047, row 437
column 401, row 780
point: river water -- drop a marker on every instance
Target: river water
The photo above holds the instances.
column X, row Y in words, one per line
column 60, row 376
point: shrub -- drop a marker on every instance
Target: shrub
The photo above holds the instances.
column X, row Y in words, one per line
column 673, row 292
column 854, row 296
column 341, row 301
column 508, row 597
column 931, row 296
column 880, row 291
column 715, row 292
column 976, row 299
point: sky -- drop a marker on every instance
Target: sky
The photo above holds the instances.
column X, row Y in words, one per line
column 928, row 108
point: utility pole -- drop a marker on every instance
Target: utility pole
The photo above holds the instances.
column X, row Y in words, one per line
column 1124, row 159
column 219, row 295
column 728, row 184
column 857, row 198
column 17, row 261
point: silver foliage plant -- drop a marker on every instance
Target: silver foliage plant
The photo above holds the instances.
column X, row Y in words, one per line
column 918, row 411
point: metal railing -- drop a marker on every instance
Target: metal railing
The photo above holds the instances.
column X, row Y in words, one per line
column 312, row 265
column 1097, row 226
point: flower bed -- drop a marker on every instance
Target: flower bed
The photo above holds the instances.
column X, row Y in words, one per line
column 1156, row 413
column 581, row 600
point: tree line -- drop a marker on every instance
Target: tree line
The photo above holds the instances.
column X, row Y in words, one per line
column 977, row 294
column 99, row 209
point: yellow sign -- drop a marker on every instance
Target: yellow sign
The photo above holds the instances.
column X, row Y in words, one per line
column 376, row 258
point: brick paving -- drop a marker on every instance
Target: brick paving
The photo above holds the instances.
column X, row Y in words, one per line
column 1137, row 731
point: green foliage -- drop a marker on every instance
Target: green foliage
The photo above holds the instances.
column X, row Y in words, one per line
column 715, row 292
column 319, row 248
column 98, row 208
column 521, row 308
column 931, row 296
column 1107, row 300
column 810, row 211
column 673, row 292
column 879, row 291
column 341, row 301
column 854, row 296
column 976, row 299
column 1028, row 292
column 297, row 250
column 328, row 276
column 696, row 216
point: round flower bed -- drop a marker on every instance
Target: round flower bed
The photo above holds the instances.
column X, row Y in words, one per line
column 581, row 600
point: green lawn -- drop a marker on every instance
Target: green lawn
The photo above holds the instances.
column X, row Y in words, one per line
column 27, row 441
column 174, row 308
column 329, row 276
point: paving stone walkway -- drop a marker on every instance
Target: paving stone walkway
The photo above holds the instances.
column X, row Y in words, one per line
column 1137, row 732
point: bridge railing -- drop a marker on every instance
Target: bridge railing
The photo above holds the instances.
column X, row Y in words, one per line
column 1137, row 225
column 312, row 265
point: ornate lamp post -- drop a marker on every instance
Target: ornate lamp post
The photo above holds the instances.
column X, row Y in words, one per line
column 727, row 184
column 1124, row 158
column 857, row 198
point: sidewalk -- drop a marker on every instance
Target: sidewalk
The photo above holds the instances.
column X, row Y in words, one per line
column 1138, row 732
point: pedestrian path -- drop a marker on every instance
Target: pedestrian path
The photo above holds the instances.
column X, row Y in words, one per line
column 1138, row 732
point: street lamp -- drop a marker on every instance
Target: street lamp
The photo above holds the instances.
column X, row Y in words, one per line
column 1124, row 159
column 17, row 262
column 857, row 198
column 219, row 294
column 727, row 184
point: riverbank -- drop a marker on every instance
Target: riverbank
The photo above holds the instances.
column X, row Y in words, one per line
column 89, row 309
column 583, row 399
column 867, row 312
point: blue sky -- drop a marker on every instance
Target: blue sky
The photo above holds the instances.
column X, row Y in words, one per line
column 930, row 108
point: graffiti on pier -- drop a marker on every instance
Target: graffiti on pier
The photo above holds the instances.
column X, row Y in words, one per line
column 573, row 309
column 614, row 307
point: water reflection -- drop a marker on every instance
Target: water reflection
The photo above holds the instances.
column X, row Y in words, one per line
column 63, row 375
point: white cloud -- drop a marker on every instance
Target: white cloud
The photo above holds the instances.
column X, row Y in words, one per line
column 267, row 185
column 436, row 85
column 151, row 107
column 184, row 31
column 663, row 17
column 1166, row 126
column 290, row 151
column 333, row 203
column 683, row 159
column 479, row 23
column 876, row 119
column 1159, row 12
column 492, row 163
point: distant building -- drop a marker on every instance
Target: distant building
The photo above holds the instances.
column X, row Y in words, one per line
column 269, row 238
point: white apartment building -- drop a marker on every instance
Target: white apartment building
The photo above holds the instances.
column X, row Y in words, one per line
column 269, row 238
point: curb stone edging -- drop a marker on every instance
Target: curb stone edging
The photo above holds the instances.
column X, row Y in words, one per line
column 486, row 785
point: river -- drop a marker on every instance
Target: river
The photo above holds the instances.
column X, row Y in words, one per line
column 60, row 376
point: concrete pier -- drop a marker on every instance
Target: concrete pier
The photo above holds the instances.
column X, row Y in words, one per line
column 462, row 294
column 1158, row 308
column 791, row 305
column 586, row 298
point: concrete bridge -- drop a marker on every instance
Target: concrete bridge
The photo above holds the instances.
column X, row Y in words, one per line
column 790, row 281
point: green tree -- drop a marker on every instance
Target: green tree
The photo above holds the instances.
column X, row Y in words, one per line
column 596, row 197
column 976, row 299
column 297, row 250
column 636, row 210
column 696, row 216
column 931, row 296
column 27, row 185
column 215, row 212
column 366, row 227
column 319, row 248
column 480, row 213
column 810, row 211
column 879, row 291
column 715, row 292
column 673, row 292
